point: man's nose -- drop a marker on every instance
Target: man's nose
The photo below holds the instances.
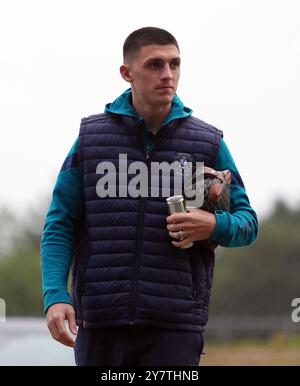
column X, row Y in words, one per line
column 167, row 72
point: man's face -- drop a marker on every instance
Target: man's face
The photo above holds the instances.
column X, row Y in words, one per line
column 154, row 73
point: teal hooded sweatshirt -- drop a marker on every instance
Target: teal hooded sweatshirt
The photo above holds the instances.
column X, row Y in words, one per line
column 236, row 228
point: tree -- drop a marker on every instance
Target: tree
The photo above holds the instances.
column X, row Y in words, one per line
column 262, row 279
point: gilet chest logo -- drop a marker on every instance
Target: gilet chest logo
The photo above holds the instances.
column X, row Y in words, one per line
column 185, row 163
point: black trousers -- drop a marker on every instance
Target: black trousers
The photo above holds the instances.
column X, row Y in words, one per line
column 137, row 346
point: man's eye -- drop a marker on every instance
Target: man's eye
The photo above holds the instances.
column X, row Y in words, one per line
column 155, row 65
column 175, row 64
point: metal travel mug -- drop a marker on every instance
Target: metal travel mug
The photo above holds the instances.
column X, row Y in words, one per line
column 176, row 204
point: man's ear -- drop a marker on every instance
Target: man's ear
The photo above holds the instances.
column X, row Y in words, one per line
column 125, row 73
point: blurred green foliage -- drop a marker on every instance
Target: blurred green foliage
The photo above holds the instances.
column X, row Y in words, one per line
column 20, row 273
column 261, row 279
column 20, row 283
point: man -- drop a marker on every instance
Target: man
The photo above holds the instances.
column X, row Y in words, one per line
column 140, row 297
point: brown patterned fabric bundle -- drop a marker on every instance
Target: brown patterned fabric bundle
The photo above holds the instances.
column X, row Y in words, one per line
column 216, row 190
column 216, row 195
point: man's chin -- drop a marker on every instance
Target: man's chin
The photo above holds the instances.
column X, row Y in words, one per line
column 165, row 99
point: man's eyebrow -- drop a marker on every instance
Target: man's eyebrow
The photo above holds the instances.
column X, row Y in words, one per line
column 159, row 59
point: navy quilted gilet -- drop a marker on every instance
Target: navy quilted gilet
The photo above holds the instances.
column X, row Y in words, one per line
column 126, row 271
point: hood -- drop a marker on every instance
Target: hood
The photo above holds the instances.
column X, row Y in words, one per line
column 123, row 106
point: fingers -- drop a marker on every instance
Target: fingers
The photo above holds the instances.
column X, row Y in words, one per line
column 179, row 226
column 183, row 243
column 175, row 235
column 56, row 316
column 195, row 225
column 178, row 217
column 188, row 216
column 64, row 336
column 54, row 331
column 71, row 321
column 180, row 235
column 59, row 333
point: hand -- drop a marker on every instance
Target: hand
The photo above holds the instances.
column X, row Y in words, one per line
column 195, row 225
column 56, row 316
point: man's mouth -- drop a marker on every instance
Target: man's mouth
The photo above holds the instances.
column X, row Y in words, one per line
column 165, row 87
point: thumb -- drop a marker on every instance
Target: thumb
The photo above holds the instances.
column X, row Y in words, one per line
column 72, row 323
column 191, row 209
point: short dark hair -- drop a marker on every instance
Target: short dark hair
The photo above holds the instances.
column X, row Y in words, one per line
column 145, row 37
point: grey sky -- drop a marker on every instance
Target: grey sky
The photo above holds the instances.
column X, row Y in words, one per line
column 240, row 72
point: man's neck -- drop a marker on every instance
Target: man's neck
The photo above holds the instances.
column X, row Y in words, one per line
column 153, row 116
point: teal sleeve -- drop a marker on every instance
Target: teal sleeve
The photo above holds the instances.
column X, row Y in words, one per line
column 239, row 227
column 58, row 238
